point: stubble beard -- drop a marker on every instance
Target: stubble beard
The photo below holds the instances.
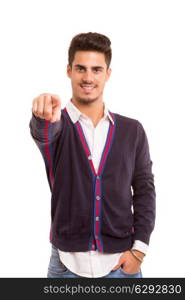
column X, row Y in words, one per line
column 86, row 100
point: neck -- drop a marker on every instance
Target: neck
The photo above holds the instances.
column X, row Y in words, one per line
column 94, row 110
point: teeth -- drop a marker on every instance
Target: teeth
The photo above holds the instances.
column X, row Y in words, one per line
column 87, row 87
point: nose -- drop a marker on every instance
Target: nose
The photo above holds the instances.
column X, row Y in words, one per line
column 87, row 77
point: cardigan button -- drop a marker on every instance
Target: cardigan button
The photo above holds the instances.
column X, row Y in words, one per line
column 98, row 177
column 89, row 157
column 97, row 218
column 98, row 197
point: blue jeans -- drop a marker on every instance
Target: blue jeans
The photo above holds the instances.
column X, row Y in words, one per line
column 57, row 269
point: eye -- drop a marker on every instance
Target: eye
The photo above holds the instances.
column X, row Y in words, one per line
column 97, row 70
column 80, row 69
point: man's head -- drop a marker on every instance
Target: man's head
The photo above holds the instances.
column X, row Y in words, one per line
column 89, row 58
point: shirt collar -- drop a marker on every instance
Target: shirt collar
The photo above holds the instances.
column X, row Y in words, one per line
column 75, row 114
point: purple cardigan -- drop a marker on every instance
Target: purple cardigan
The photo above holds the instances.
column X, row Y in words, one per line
column 107, row 210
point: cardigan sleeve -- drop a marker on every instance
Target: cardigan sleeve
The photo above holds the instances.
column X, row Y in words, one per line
column 144, row 195
column 46, row 135
column 44, row 131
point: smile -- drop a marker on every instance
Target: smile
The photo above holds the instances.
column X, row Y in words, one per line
column 87, row 88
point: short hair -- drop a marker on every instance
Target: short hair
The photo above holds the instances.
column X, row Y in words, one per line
column 90, row 41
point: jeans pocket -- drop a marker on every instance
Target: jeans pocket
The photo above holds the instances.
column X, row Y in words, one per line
column 137, row 274
column 56, row 266
column 57, row 272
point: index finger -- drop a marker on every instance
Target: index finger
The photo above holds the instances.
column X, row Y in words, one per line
column 47, row 107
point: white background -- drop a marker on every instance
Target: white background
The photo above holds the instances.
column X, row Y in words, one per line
column 147, row 83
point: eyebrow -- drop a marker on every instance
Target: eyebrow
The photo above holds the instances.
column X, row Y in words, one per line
column 84, row 67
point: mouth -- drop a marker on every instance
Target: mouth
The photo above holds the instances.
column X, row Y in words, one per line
column 87, row 87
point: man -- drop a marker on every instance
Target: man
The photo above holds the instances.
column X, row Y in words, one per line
column 99, row 171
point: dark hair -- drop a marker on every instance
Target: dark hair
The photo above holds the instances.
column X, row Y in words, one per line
column 90, row 41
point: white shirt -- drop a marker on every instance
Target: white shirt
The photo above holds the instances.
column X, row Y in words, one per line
column 93, row 263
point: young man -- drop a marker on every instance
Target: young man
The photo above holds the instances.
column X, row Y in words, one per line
column 99, row 171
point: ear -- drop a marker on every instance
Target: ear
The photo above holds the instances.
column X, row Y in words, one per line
column 69, row 71
column 108, row 73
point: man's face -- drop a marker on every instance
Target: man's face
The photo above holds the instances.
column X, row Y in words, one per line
column 88, row 75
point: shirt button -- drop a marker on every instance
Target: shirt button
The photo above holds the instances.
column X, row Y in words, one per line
column 97, row 218
column 98, row 197
column 89, row 157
